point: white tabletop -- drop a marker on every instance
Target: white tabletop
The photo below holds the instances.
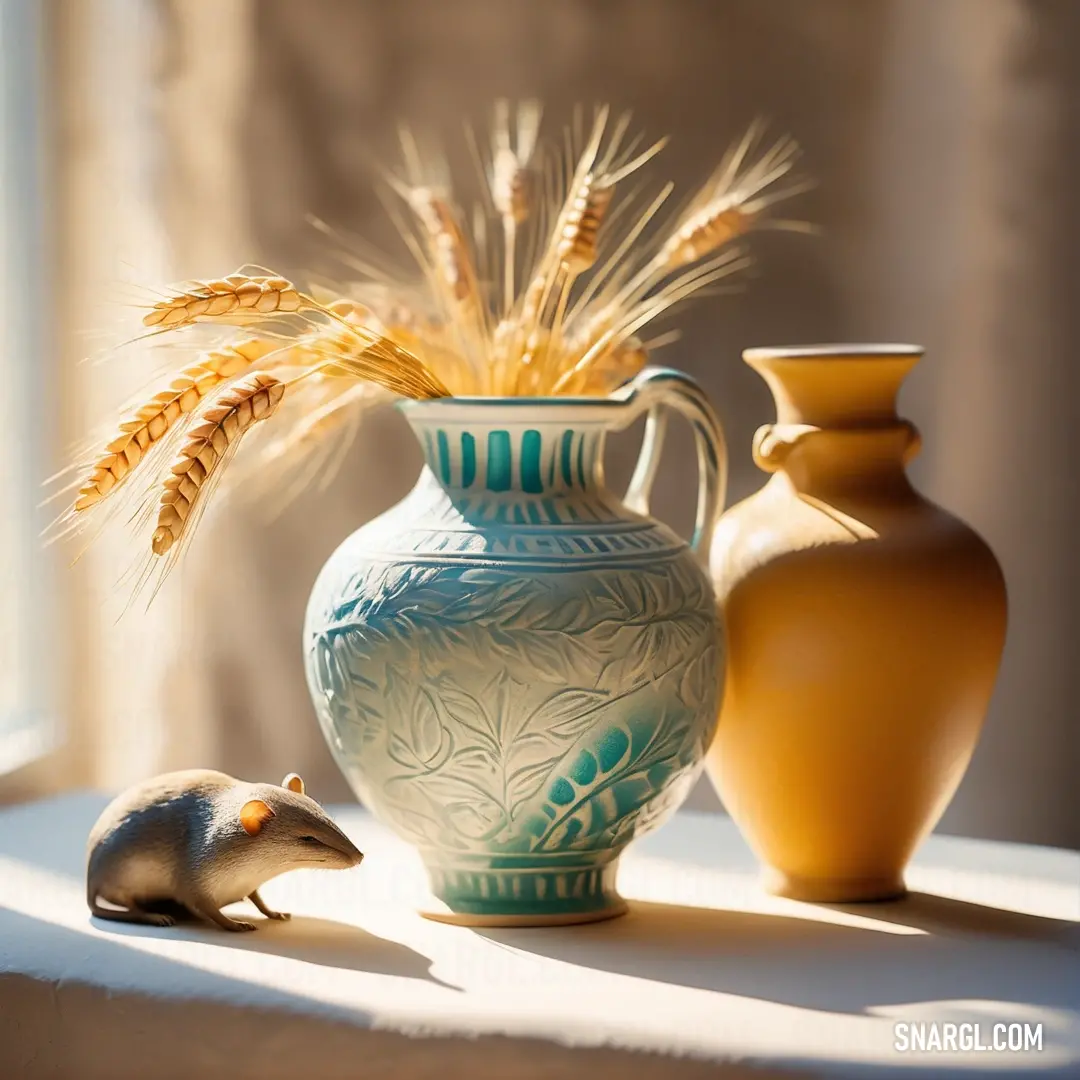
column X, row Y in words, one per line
column 705, row 977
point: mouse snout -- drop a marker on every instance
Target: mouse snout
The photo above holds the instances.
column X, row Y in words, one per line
column 351, row 854
column 348, row 855
column 354, row 853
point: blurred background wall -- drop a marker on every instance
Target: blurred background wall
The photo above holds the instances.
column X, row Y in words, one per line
column 190, row 136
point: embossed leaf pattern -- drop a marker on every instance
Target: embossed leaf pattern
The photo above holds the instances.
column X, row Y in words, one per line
column 468, row 711
column 336, row 684
column 495, row 711
column 420, row 742
column 525, row 781
column 417, row 818
column 566, row 714
column 694, row 685
column 474, row 811
column 472, row 597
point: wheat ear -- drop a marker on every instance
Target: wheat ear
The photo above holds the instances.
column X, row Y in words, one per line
column 576, row 240
column 152, row 421
column 634, row 317
column 447, row 244
column 511, row 179
column 445, row 253
column 222, row 425
column 227, row 297
column 734, row 201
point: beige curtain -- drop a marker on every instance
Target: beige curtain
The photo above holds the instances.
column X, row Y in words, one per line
column 943, row 133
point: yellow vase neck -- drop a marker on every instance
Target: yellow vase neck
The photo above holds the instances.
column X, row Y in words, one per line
column 835, row 386
column 837, row 429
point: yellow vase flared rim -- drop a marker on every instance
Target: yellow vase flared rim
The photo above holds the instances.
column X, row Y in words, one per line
column 855, row 351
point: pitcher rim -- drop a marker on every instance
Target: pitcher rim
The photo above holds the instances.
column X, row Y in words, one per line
column 471, row 405
column 838, row 351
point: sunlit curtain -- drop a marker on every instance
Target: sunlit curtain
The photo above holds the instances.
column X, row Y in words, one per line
column 27, row 709
column 140, row 137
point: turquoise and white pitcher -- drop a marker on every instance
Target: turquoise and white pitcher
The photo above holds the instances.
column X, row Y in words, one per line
column 516, row 670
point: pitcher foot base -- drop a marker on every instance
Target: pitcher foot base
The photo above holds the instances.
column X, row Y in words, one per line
column 563, row 918
column 833, row 890
column 523, row 894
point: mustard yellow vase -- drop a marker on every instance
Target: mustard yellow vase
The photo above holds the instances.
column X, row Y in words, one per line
column 865, row 627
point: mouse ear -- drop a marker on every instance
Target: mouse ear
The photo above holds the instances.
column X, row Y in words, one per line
column 254, row 814
column 293, row 783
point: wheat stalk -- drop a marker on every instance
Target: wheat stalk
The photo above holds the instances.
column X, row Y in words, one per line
column 624, row 323
column 222, row 425
column 581, row 228
column 446, row 243
column 535, row 297
column 512, row 180
column 574, row 245
column 555, row 308
column 729, row 205
column 323, row 420
column 617, row 365
column 225, row 299
column 317, row 424
column 352, row 352
column 444, row 250
column 734, row 204
column 511, row 177
column 305, row 444
column 345, row 352
column 153, row 420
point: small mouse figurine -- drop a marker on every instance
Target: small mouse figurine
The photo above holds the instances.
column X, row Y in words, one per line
column 194, row 841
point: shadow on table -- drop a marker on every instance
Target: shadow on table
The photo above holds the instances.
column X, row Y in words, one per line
column 952, row 951
column 942, row 915
column 326, row 942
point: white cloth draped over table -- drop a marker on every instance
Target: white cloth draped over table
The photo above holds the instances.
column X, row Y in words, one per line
column 706, row 978
column 198, row 133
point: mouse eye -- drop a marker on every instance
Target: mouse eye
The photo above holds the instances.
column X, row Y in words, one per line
column 308, row 840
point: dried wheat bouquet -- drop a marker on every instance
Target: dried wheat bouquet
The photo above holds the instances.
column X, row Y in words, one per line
column 543, row 288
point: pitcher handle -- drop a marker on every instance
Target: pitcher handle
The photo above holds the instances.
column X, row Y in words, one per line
column 659, row 390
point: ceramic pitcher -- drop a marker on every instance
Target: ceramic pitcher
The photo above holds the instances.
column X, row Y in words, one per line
column 515, row 669
column 865, row 627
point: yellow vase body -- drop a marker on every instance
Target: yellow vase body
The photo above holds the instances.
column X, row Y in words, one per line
column 865, row 628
